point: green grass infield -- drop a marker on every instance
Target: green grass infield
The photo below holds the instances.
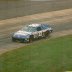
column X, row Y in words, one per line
column 53, row 55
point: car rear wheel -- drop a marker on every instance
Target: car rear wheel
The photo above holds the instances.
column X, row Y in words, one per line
column 46, row 34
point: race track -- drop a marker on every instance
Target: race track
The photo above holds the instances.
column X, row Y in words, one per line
column 59, row 23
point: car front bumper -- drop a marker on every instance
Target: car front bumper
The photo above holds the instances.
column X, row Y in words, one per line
column 20, row 39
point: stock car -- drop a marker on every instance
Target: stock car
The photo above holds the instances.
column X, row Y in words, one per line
column 31, row 32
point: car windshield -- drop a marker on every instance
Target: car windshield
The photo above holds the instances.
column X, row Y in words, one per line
column 45, row 26
column 29, row 29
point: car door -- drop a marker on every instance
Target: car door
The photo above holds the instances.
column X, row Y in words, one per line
column 35, row 34
column 38, row 33
column 39, row 30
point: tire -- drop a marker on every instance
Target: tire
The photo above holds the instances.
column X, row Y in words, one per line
column 46, row 34
column 31, row 38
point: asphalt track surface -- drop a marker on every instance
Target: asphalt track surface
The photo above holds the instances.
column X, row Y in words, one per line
column 6, row 31
column 17, row 8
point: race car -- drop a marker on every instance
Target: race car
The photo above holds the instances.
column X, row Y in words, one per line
column 31, row 32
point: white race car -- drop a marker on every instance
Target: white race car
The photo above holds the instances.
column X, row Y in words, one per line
column 31, row 32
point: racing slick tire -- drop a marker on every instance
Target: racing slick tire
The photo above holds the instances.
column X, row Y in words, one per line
column 46, row 34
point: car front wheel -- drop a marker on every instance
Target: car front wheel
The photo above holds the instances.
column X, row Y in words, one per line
column 31, row 38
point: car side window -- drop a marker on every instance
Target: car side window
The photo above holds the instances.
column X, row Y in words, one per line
column 38, row 28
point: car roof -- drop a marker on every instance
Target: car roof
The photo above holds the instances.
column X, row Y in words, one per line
column 35, row 25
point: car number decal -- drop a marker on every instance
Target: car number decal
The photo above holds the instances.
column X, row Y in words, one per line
column 35, row 35
column 40, row 33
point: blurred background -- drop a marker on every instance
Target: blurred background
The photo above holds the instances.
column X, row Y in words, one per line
column 17, row 8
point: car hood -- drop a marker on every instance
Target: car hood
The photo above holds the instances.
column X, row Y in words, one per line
column 22, row 33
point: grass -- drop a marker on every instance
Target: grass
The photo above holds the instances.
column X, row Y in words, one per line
column 54, row 55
